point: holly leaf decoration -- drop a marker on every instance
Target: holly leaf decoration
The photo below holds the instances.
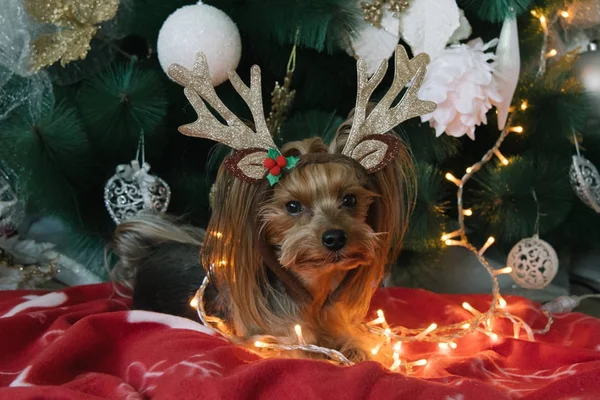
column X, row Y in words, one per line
column 273, row 179
column 273, row 153
column 291, row 162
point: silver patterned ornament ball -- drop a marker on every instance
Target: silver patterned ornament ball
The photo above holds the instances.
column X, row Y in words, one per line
column 132, row 191
column 585, row 180
column 12, row 210
column 534, row 263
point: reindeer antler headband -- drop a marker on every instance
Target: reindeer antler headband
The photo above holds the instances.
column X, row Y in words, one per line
column 257, row 156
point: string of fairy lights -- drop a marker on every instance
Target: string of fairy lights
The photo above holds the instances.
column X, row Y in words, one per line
column 391, row 340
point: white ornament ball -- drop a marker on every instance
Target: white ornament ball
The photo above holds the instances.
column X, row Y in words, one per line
column 585, row 180
column 200, row 28
column 534, row 263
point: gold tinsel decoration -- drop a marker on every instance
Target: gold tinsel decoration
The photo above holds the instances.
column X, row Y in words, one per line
column 282, row 96
column 29, row 273
column 373, row 10
column 75, row 22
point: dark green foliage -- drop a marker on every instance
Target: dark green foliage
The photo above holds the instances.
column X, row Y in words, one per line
column 310, row 124
column 557, row 107
column 189, row 195
column 496, row 10
column 118, row 104
column 86, row 249
column 504, row 202
column 324, row 24
column 150, row 15
column 53, row 159
column 429, row 220
column 426, row 147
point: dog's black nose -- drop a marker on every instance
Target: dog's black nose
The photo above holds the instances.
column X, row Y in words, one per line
column 335, row 239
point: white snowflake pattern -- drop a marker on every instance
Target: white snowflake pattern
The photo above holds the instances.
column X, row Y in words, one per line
column 140, row 377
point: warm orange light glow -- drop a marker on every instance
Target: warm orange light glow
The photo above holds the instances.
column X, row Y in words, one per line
column 516, row 129
column 502, row 271
column 194, row 302
column 524, row 105
column 470, row 309
column 502, row 303
column 469, row 169
column 543, row 20
column 453, row 179
column 420, row 362
column 534, row 13
column 465, row 326
column 564, row 14
column 552, row 53
column 501, row 157
column 260, row 344
column 487, row 245
column 468, row 212
column 375, row 349
column 398, row 347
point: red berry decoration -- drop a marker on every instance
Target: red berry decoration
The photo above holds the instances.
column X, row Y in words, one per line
column 281, row 161
column 276, row 170
column 269, row 163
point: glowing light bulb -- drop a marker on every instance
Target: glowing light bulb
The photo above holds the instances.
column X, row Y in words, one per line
column 502, row 303
column 420, row 363
column 543, row 20
column 493, row 336
column 524, row 105
column 502, row 271
column 452, row 345
column 501, row 157
column 469, row 169
column 516, row 129
column 551, row 53
column 453, row 179
column 375, row 349
column 379, row 320
column 260, row 345
column 450, row 235
column 398, row 347
column 465, row 326
column 468, row 212
column 470, row 309
column 427, row 331
column 564, row 14
column 534, row 13
column 487, row 245
column 194, row 302
column 298, row 330
column 443, row 346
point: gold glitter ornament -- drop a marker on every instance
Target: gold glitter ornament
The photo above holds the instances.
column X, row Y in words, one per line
column 372, row 12
column 76, row 23
column 282, row 97
column 397, row 6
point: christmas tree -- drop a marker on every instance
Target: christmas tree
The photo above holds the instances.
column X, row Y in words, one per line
column 86, row 91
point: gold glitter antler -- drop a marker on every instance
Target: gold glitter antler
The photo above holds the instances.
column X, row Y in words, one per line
column 384, row 117
column 235, row 133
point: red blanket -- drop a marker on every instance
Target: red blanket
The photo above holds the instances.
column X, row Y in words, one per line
column 85, row 343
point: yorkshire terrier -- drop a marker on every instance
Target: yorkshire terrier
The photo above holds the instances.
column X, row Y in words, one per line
column 300, row 235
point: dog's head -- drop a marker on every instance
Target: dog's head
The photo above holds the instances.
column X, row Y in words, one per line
column 325, row 218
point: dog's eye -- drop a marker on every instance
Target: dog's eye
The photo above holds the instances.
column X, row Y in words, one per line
column 293, row 207
column 349, row 201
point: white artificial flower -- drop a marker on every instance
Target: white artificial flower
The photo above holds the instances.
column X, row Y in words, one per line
column 461, row 82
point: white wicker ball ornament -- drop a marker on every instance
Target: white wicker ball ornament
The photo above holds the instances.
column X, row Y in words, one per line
column 534, row 263
column 200, row 28
column 585, row 180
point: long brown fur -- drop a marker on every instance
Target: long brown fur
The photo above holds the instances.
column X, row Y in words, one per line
column 375, row 227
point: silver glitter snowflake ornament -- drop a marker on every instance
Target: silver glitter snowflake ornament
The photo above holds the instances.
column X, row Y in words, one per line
column 12, row 210
column 585, row 180
column 132, row 190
